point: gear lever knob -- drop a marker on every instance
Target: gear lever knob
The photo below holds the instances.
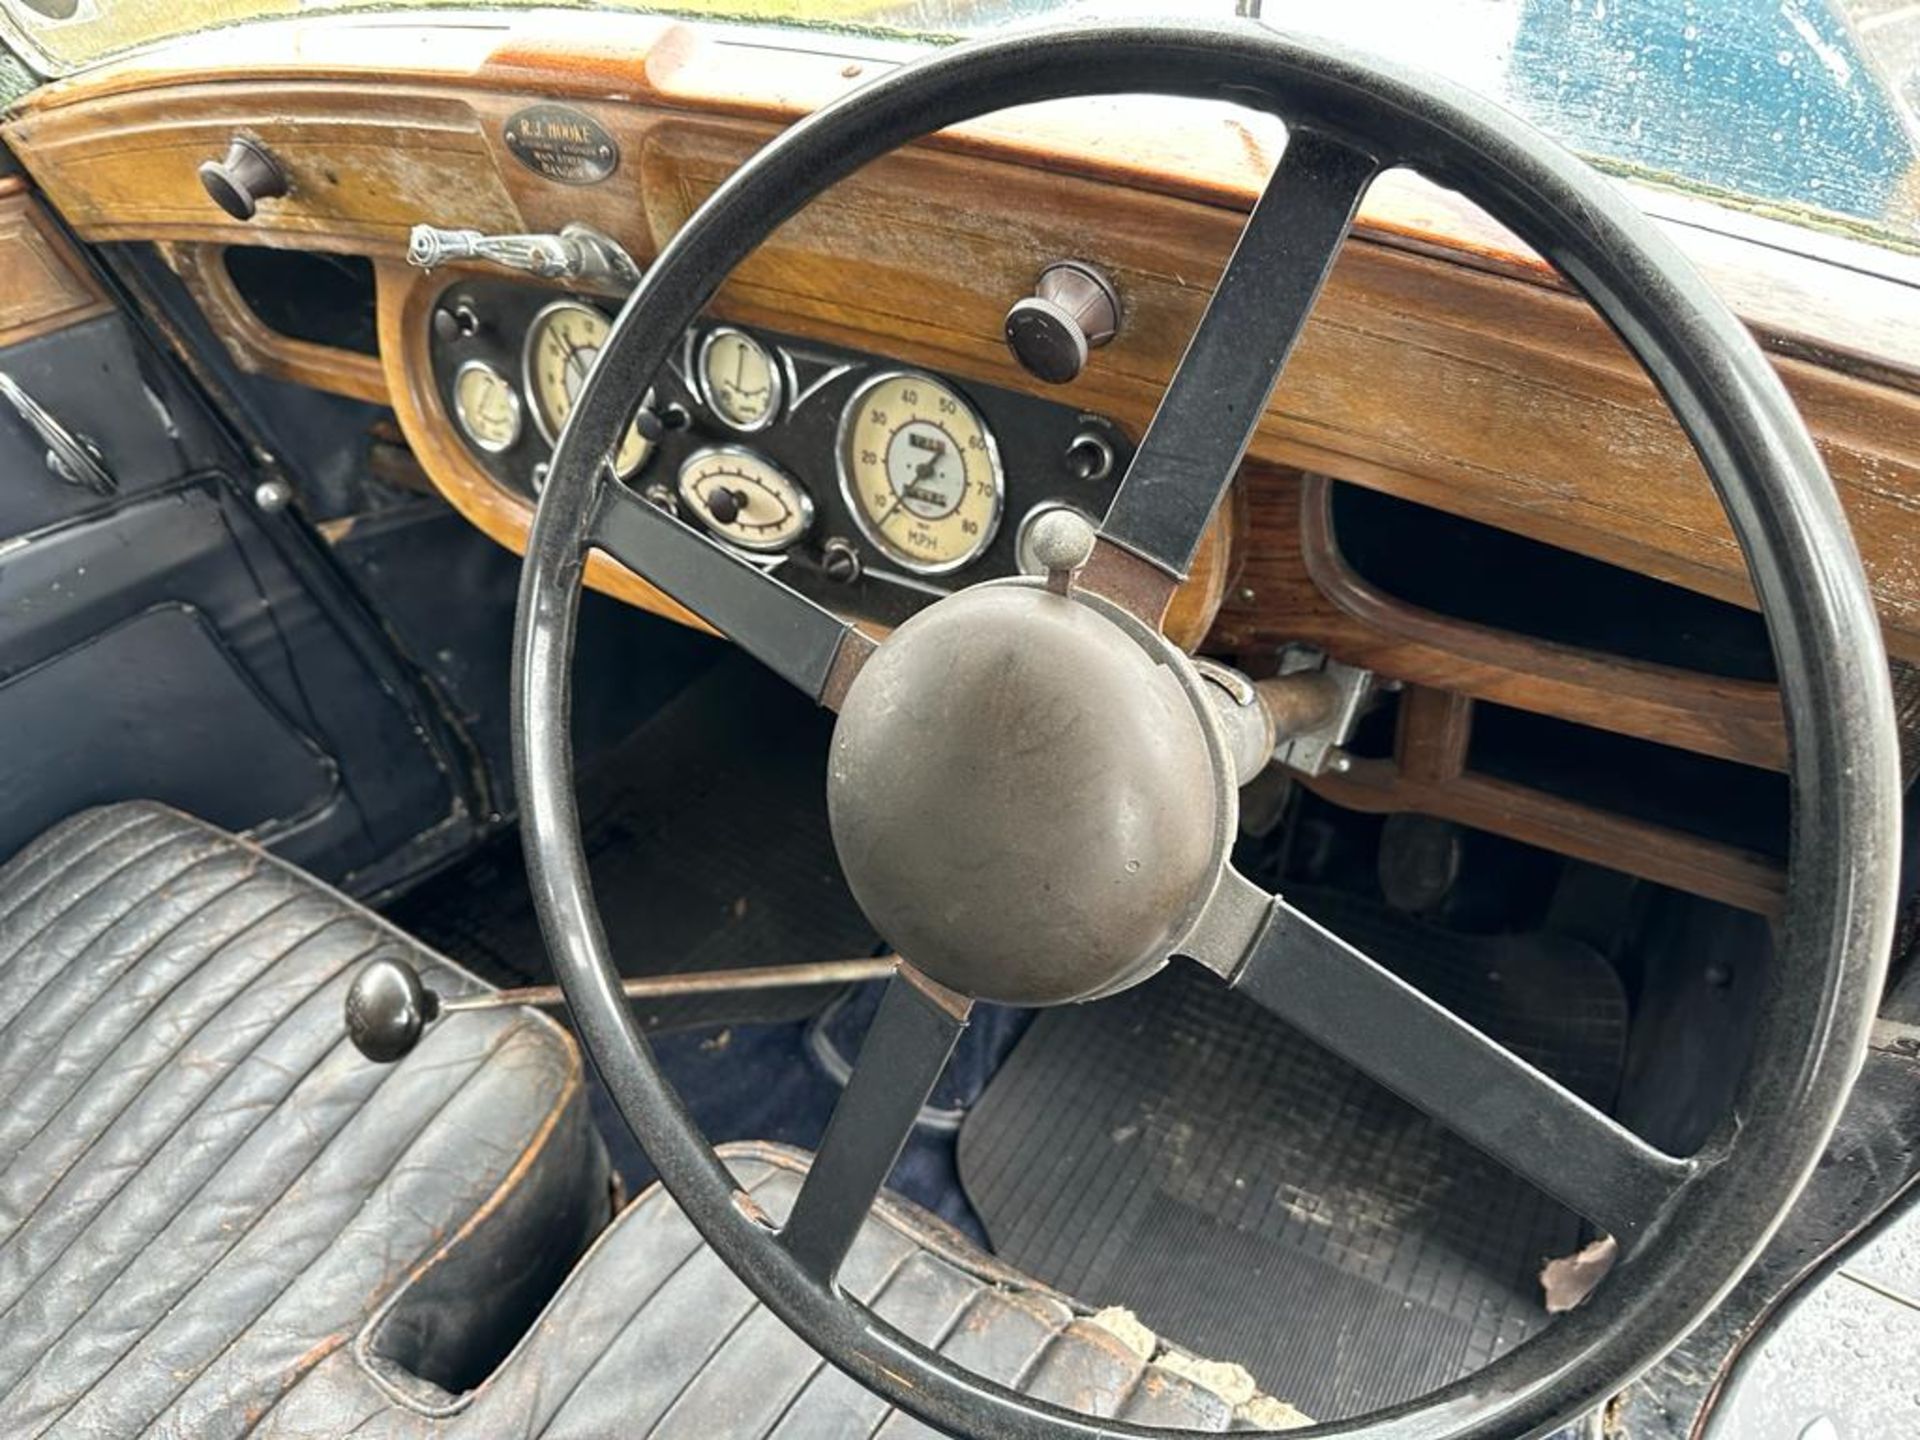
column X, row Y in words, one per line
column 387, row 1008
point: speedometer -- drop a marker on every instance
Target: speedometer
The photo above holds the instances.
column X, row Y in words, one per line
column 563, row 343
column 920, row 472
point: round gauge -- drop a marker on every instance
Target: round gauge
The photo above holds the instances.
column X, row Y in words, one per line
column 745, row 499
column 562, row 344
column 920, row 472
column 487, row 406
column 739, row 379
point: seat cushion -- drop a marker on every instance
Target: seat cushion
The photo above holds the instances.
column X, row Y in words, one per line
column 653, row 1336
column 204, row 1190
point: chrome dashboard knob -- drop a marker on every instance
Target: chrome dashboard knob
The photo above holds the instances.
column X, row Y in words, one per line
column 1073, row 309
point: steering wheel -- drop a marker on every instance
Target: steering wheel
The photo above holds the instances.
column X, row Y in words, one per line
column 1029, row 791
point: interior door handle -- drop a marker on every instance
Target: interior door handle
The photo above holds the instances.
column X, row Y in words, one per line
column 72, row 457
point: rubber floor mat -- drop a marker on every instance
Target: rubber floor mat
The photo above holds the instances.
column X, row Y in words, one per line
column 1179, row 1151
column 706, row 834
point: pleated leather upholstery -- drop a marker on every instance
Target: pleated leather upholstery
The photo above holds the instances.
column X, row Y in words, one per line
column 217, row 1220
column 204, row 1190
column 652, row 1336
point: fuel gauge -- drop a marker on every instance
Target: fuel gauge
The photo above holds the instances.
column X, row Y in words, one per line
column 487, row 406
column 745, row 499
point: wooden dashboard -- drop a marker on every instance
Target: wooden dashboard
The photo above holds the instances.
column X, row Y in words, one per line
column 1444, row 365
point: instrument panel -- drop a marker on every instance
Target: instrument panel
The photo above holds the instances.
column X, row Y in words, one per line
column 873, row 487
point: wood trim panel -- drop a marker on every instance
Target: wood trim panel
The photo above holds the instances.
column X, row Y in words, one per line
column 44, row 285
column 1446, row 373
column 1436, row 729
column 1668, row 857
column 1476, row 393
column 260, row 350
column 1828, row 296
column 1295, row 587
column 1429, row 775
column 1450, row 376
column 363, row 163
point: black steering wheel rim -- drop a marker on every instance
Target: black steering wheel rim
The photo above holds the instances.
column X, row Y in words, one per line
column 1812, row 1028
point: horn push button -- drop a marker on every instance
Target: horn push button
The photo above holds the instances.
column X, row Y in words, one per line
column 1023, row 798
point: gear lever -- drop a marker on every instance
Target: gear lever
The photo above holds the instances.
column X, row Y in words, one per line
column 389, row 1006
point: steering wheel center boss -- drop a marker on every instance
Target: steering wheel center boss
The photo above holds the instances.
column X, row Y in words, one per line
column 1028, row 795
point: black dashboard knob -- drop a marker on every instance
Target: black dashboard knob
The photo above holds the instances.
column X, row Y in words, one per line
column 457, row 321
column 725, row 505
column 1073, row 309
column 248, row 175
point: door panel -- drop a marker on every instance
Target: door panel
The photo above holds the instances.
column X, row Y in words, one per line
column 146, row 424
column 175, row 641
column 169, row 714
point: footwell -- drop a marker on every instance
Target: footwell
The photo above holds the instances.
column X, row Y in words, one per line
column 1177, row 1150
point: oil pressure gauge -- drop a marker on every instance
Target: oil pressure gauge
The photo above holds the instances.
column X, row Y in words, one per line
column 920, row 472
column 744, row 498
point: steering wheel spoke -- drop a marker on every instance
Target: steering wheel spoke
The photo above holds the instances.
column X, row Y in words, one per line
column 1220, row 390
column 804, row 643
column 1483, row 1092
column 912, row 1034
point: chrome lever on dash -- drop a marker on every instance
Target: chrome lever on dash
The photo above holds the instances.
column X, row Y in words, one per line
column 578, row 252
column 73, row 458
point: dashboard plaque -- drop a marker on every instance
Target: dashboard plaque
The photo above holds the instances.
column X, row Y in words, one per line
column 562, row 144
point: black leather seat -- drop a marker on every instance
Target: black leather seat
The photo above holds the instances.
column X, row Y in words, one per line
column 217, row 1219
column 652, row 1336
column 204, row 1190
